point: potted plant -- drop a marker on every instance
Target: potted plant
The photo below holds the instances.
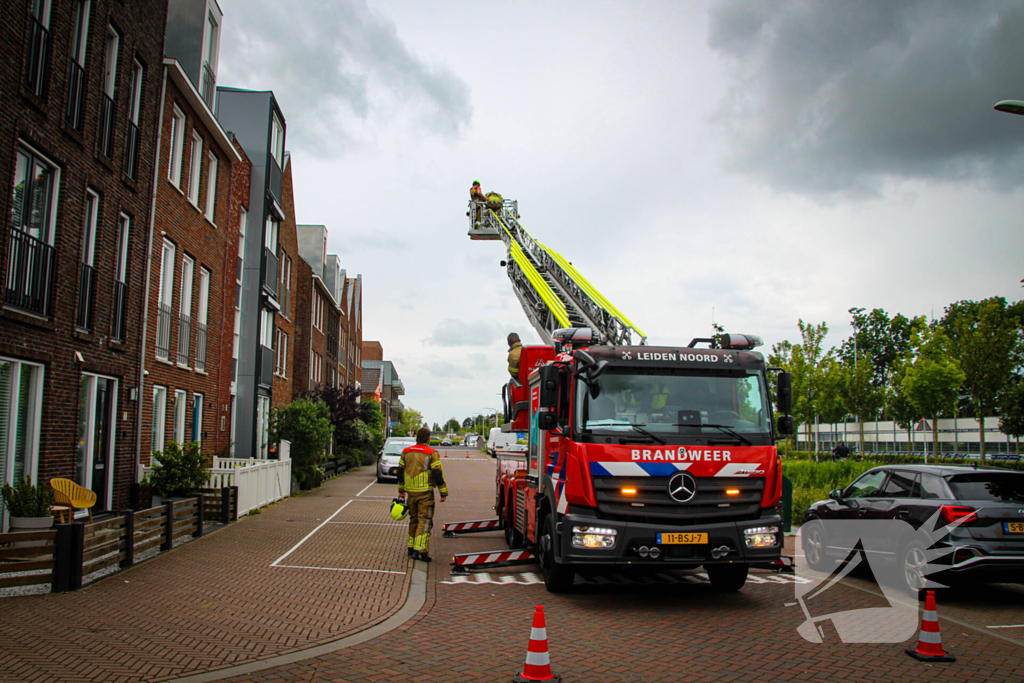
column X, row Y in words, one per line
column 29, row 507
column 178, row 472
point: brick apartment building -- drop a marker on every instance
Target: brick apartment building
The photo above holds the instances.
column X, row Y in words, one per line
column 318, row 311
column 285, row 384
column 78, row 129
column 193, row 245
column 381, row 373
column 351, row 299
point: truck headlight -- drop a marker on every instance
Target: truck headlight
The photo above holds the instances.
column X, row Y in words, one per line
column 761, row 536
column 593, row 537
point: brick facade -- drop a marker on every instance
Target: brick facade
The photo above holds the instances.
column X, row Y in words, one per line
column 39, row 125
column 207, row 244
column 285, row 383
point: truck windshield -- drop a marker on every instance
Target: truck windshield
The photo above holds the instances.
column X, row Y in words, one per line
column 675, row 404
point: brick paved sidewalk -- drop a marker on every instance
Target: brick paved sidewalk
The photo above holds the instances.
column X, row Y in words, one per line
column 478, row 632
column 217, row 601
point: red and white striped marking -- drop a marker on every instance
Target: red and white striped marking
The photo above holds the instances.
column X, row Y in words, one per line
column 538, row 665
column 479, row 525
column 472, row 559
column 929, row 643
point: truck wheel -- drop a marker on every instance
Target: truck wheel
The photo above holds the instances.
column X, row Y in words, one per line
column 513, row 537
column 727, row 577
column 558, row 578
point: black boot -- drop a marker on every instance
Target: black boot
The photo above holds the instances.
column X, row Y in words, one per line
column 423, row 557
column 412, row 553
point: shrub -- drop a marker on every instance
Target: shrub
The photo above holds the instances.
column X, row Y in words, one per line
column 27, row 500
column 178, row 470
column 307, row 425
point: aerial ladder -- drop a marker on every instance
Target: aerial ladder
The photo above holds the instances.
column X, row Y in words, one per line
column 552, row 292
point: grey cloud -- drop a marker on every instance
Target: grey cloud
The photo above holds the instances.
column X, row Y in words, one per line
column 835, row 97
column 451, row 332
column 331, row 64
column 447, row 370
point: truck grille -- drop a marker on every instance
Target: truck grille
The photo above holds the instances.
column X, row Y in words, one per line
column 710, row 504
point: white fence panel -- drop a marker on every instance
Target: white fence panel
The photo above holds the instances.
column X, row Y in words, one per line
column 259, row 482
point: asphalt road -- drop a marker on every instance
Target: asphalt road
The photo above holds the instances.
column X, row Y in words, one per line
column 668, row 626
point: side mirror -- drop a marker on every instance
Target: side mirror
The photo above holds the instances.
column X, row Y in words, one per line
column 784, row 426
column 596, row 372
column 548, row 386
column 547, row 420
column 785, row 392
column 585, row 360
column 836, row 495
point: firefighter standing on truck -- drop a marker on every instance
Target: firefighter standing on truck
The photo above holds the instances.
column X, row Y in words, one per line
column 419, row 471
column 515, row 349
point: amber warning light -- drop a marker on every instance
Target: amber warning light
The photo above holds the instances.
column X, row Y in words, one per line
column 629, row 492
column 732, row 492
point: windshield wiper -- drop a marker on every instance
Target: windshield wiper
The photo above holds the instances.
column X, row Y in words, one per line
column 730, row 431
column 634, row 427
column 640, row 428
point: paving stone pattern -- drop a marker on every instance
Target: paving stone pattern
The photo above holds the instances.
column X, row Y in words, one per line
column 626, row 631
column 217, row 602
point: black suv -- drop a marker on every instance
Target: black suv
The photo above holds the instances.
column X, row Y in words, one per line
column 989, row 504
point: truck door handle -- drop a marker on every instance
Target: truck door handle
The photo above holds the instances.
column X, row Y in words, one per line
column 904, row 513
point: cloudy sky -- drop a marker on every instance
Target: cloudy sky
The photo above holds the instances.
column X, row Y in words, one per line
column 750, row 162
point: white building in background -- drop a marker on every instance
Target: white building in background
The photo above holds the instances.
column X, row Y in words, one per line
column 956, row 435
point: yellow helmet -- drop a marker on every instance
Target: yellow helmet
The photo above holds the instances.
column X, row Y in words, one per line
column 399, row 510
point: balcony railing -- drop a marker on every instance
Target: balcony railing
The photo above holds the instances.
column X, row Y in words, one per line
column 117, row 325
column 276, row 178
column 184, row 338
column 201, row 346
column 131, row 152
column 38, row 59
column 29, row 273
column 266, row 366
column 76, row 96
column 105, row 143
column 163, row 331
column 86, row 296
column 209, row 84
column 270, row 272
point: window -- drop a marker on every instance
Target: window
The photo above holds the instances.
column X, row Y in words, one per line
column 195, row 169
column 281, row 360
column 177, row 146
column 76, row 66
column 94, row 465
column 286, row 284
column 121, row 279
column 21, row 399
column 185, row 311
column 867, row 486
column 38, row 57
column 262, row 426
column 243, row 218
column 197, row 418
column 270, row 235
column 106, row 127
column 87, row 273
column 131, row 152
column 180, row 404
column 318, row 311
column 901, row 485
column 201, row 330
column 164, row 295
column 159, row 418
column 267, row 328
column 211, row 43
column 30, row 262
column 277, row 141
column 211, row 187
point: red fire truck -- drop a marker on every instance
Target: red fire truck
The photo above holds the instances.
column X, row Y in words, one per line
column 639, row 456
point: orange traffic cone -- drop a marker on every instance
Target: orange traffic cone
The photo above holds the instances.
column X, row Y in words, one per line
column 467, row 454
column 929, row 645
column 538, row 667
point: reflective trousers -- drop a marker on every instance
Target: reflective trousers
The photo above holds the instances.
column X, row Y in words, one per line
column 421, row 519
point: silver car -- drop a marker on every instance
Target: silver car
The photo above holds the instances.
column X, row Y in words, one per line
column 387, row 463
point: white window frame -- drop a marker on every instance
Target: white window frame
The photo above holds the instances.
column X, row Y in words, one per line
column 211, row 187
column 195, row 168
column 165, row 294
column 277, row 140
column 271, row 234
column 89, row 440
column 33, row 415
column 180, row 411
column 124, row 228
column 89, row 228
column 188, row 269
column 177, row 147
column 204, row 296
column 110, row 62
column 197, row 417
column 262, row 426
column 159, row 435
column 211, row 41
column 135, row 104
column 267, row 328
column 80, row 35
column 34, row 155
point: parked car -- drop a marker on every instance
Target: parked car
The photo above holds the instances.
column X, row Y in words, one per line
column 387, row 463
column 446, row 442
column 471, row 441
column 988, row 545
column 500, row 442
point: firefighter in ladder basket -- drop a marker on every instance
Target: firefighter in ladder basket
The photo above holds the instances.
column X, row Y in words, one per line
column 419, row 471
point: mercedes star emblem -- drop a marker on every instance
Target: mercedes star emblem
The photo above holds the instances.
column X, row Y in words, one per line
column 682, row 487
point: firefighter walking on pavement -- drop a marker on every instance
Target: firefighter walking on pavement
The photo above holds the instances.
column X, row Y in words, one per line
column 419, row 471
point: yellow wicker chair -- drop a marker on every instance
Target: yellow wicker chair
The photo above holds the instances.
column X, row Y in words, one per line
column 67, row 492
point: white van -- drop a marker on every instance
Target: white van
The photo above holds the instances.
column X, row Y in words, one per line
column 502, row 442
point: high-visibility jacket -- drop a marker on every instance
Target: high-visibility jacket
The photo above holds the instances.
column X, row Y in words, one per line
column 476, row 193
column 513, row 359
column 419, row 470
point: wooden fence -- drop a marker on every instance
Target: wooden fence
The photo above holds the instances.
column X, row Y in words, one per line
column 20, row 552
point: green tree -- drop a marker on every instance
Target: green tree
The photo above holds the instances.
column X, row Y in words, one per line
column 860, row 395
column 411, row 421
column 436, row 429
column 883, row 339
column 1011, row 410
column 897, row 405
column 986, row 342
column 831, row 408
column 370, row 414
column 804, row 361
column 307, row 425
column 932, row 382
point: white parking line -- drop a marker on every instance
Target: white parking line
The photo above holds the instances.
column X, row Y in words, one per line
column 367, row 486
column 1007, row 626
column 373, row 523
column 306, row 538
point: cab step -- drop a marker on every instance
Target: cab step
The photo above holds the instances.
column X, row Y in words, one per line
column 453, row 529
column 467, row 562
